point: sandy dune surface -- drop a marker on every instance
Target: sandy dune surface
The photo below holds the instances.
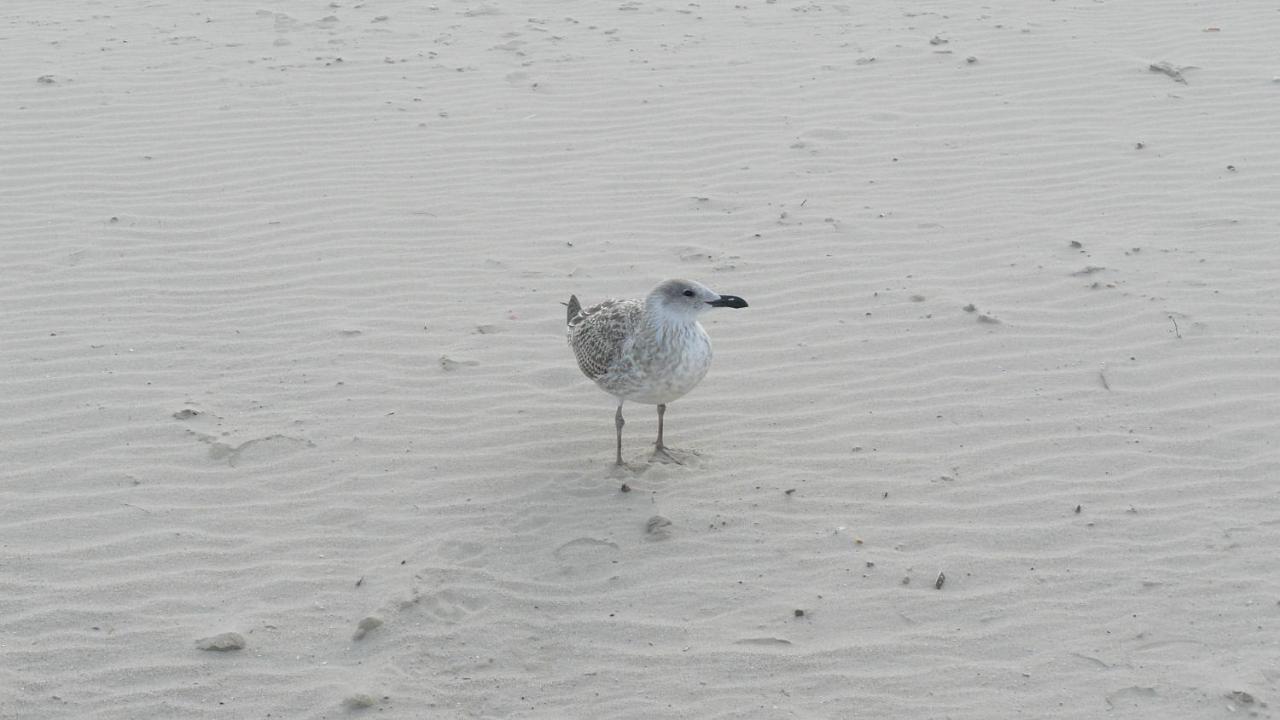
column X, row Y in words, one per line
column 283, row 371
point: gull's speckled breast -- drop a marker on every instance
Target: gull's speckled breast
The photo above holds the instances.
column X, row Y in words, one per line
column 660, row 366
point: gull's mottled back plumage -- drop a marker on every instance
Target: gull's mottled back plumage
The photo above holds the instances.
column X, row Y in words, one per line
column 651, row 351
column 598, row 333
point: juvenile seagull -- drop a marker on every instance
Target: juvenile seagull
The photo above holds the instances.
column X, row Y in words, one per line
column 650, row 351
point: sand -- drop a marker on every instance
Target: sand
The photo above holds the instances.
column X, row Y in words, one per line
column 284, row 375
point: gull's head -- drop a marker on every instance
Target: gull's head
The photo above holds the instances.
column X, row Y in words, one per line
column 687, row 298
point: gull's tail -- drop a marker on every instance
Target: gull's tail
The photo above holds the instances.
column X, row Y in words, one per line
column 574, row 308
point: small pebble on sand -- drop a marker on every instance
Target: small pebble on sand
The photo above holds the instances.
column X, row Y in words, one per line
column 359, row 701
column 222, row 642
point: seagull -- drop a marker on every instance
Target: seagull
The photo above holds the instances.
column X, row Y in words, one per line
column 650, row 351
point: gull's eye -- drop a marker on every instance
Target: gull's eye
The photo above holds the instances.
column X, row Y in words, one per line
column 688, row 293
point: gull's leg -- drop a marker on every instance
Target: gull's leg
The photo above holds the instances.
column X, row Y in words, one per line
column 660, row 452
column 619, row 422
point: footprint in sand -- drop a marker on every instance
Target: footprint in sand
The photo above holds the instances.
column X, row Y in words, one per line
column 260, row 449
column 463, row 553
column 586, row 556
column 452, row 605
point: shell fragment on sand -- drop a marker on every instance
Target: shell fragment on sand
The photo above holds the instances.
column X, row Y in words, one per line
column 365, row 626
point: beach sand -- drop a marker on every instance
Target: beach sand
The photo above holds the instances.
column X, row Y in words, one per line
column 283, row 365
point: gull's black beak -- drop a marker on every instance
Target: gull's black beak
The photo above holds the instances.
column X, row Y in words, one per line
column 732, row 301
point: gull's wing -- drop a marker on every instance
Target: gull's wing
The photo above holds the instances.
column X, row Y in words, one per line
column 598, row 333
